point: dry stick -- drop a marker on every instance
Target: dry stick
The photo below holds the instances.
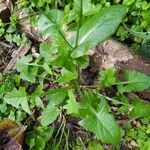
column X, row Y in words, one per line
column 5, row 44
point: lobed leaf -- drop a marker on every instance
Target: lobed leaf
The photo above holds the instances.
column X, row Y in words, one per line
column 140, row 109
column 102, row 124
column 23, row 66
column 18, row 98
column 72, row 106
column 95, row 115
column 136, row 81
column 107, row 77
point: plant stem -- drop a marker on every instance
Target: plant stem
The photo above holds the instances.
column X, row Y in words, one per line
column 65, row 40
column 78, row 89
column 56, row 4
column 62, row 132
column 79, row 24
column 84, row 147
column 112, row 99
column 89, row 86
column 67, row 140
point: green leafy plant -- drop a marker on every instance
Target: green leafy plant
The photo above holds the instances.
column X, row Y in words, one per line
column 74, row 50
column 139, row 134
column 60, row 63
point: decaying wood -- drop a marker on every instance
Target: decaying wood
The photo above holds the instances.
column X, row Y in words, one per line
column 114, row 54
column 5, row 10
column 21, row 51
column 111, row 53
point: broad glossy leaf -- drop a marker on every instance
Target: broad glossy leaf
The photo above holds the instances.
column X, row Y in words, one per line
column 97, row 119
column 103, row 125
column 98, row 28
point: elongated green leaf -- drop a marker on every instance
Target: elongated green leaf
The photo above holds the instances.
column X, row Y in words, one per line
column 95, row 145
column 38, row 102
column 98, row 28
column 47, row 68
column 56, row 96
column 136, row 81
column 67, row 76
column 88, row 9
column 45, row 51
column 143, row 35
column 48, row 22
column 107, row 77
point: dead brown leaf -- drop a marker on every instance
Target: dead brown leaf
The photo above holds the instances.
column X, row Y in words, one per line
column 21, row 51
column 11, row 135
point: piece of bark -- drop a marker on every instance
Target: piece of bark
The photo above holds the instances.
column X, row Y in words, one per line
column 112, row 53
column 5, row 10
